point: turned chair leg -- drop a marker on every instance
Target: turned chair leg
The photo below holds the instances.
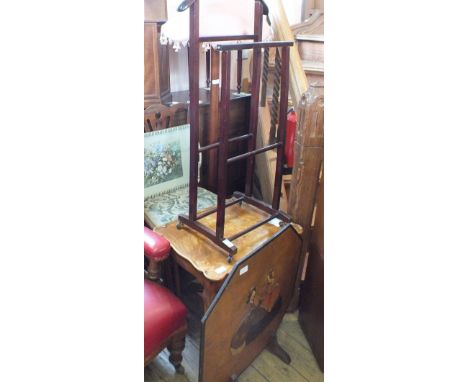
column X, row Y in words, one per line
column 176, row 348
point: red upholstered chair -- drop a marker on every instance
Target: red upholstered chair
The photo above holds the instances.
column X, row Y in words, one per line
column 165, row 315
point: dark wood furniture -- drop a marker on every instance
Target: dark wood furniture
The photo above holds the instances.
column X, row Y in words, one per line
column 311, row 307
column 220, row 58
column 157, row 117
column 156, row 59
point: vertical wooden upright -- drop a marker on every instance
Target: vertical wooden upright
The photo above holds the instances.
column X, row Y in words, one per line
column 254, row 100
column 223, row 140
column 194, row 89
column 213, row 131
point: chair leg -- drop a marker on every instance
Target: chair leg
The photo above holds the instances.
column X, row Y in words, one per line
column 176, row 347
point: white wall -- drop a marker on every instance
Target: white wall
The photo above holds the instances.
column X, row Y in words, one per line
column 293, row 9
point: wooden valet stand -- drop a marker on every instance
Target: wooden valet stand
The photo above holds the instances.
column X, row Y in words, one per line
column 219, row 117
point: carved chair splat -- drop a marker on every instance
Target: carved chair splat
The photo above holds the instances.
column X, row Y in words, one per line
column 159, row 116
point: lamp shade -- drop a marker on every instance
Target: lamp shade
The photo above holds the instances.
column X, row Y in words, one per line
column 217, row 18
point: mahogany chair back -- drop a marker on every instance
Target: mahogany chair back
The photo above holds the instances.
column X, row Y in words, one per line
column 159, row 116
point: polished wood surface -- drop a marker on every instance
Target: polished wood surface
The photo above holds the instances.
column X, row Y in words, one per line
column 156, row 60
column 206, row 257
column 247, row 311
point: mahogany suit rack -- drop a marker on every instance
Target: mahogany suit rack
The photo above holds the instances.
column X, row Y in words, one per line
column 224, row 50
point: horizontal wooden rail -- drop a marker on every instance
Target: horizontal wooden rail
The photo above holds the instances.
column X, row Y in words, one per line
column 251, row 228
column 226, row 38
column 261, row 205
column 216, row 144
column 214, row 209
column 254, row 45
column 255, row 152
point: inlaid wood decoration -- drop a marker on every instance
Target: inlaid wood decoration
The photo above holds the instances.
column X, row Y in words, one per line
column 247, row 310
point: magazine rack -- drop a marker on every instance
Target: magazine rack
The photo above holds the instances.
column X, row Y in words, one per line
column 220, row 61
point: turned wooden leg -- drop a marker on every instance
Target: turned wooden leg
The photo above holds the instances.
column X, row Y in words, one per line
column 275, row 348
column 176, row 273
column 154, row 270
column 176, row 348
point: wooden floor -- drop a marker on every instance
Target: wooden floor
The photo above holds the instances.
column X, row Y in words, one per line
column 266, row 367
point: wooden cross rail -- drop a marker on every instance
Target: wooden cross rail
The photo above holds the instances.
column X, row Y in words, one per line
column 252, row 227
column 261, row 205
column 254, row 152
column 226, row 38
column 220, row 120
column 214, row 209
column 216, row 144
column 254, row 45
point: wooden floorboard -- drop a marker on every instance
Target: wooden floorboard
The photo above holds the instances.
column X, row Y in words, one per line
column 266, row 368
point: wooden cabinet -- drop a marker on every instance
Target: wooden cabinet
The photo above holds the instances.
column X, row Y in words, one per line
column 239, row 125
column 157, row 80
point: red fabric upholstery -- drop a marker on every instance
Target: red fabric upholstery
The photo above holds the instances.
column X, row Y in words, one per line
column 164, row 314
column 156, row 246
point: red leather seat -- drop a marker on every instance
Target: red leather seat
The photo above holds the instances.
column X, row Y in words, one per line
column 164, row 315
column 156, row 246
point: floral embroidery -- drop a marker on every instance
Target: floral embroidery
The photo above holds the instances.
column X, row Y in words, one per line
column 164, row 209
